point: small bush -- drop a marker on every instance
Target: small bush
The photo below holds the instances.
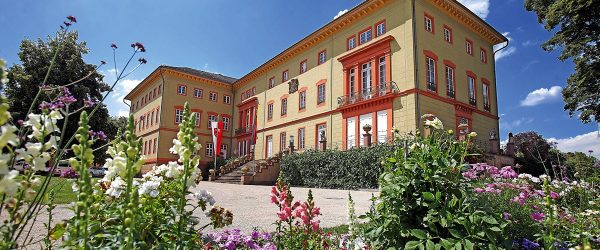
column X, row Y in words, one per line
column 351, row 169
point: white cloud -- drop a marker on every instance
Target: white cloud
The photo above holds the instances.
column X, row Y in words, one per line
column 528, row 43
column 479, row 7
column 505, row 51
column 123, row 112
column 124, row 87
column 515, row 123
column 580, row 143
column 340, row 13
column 542, row 95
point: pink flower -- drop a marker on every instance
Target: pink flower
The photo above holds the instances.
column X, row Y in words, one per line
column 285, row 213
column 508, row 173
column 315, row 224
column 537, row 216
column 554, row 195
column 470, row 174
column 479, row 190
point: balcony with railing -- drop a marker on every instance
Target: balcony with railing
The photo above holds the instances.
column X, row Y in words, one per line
column 472, row 101
column 243, row 131
column 367, row 94
column 450, row 93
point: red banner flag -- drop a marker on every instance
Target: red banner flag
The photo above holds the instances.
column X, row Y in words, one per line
column 217, row 134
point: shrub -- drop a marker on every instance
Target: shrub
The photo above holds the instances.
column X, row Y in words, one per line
column 351, row 169
column 424, row 201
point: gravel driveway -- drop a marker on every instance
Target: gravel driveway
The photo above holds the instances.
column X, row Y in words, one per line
column 250, row 205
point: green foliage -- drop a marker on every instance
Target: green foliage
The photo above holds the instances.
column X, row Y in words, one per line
column 425, row 203
column 583, row 165
column 535, row 153
column 577, row 26
column 351, row 169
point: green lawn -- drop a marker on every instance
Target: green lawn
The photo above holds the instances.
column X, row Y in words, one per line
column 62, row 187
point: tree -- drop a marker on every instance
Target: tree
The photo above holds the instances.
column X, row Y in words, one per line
column 578, row 36
column 582, row 164
column 535, row 154
column 26, row 78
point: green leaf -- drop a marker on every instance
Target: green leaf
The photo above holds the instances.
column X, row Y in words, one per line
column 490, row 220
column 468, row 245
column 58, row 231
column 428, row 196
column 430, row 245
column 421, row 234
column 458, row 246
column 412, row 245
column 455, row 233
column 447, row 244
column 495, row 229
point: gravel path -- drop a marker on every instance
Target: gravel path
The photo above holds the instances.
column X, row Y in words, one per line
column 250, row 205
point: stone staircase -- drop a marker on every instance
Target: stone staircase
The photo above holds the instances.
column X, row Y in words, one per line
column 259, row 172
column 235, row 176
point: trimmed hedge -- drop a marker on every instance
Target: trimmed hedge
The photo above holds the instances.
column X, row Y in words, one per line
column 351, row 169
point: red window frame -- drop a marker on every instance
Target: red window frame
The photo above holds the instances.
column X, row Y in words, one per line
column 199, row 111
column 483, row 59
column 319, row 57
column 430, row 17
column 303, row 137
column 474, row 76
column 201, row 93
column 216, row 96
column 450, row 64
column 300, row 66
column 300, row 108
column 319, row 84
column 271, row 84
column 384, row 28
column 208, row 119
column 175, row 114
column 363, row 31
column 430, row 54
column 230, row 120
column 181, row 85
column 446, row 27
column 229, row 99
column 470, row 42
column 348, row 42
column 317, row 133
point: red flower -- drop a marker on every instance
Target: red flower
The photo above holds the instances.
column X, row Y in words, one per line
column 114, row 46
column 72, row 19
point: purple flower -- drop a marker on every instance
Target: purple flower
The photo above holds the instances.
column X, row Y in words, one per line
column 506, row 216
column 72, row 19
column 100, row 135
column 470, row 175
column 255, row 234
column 67, row 99
column 88, row 102
column 508, row 173
column 537, row 216
column 20, row 122
column 554, row 195
column 479, row 190
column 527, row 244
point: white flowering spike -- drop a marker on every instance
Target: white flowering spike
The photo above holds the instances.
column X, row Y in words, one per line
column 8, row 184
column 8, row 136
column 117, row 186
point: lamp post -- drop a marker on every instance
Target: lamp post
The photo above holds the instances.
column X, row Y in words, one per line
column 291, row 143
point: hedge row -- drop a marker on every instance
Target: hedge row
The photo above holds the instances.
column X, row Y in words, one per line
column 351, row 169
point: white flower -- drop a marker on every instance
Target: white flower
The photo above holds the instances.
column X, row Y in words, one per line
column 535, row 179
column 4, row 160
column 473, row 134
column 75, row 187
column 426, row 116
column 434, row 123
column 8, row 136
column 177, row 147
column 149, row 188
column 32, row 154
column 116, row 187
column 52, row 142
column 8, row 184
column 205, row 196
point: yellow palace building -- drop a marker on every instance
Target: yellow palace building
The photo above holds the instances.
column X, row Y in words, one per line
column 384, row 63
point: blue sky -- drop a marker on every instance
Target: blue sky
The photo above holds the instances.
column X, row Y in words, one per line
column 234, row 37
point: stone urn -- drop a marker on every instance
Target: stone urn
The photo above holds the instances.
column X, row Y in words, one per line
column 367, row 128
